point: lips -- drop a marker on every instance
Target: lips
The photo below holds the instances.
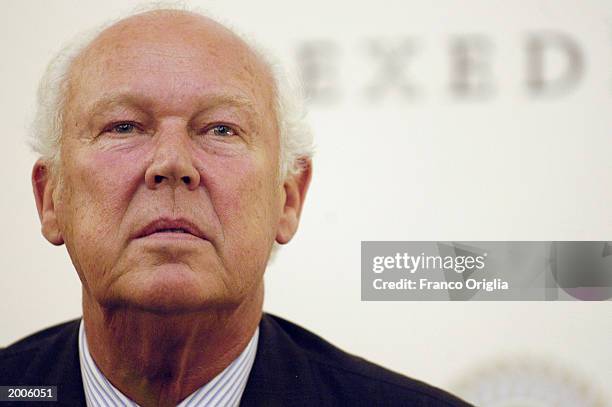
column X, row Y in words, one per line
column 167, row 225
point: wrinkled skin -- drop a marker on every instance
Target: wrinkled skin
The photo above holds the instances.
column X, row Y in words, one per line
column 169, row 118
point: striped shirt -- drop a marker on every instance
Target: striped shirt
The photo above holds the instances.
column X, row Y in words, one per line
column 225, row 389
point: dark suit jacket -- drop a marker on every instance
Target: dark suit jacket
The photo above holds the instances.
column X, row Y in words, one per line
column 293, row 367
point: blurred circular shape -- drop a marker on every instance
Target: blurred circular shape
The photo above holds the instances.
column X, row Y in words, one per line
column 583, row 269
column 526, row 382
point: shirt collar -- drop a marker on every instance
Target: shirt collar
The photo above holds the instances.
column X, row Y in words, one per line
column 225, row 389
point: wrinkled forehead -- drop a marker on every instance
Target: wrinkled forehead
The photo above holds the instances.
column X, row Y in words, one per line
column 188, row 51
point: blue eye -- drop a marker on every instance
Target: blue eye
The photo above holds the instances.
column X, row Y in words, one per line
column 222, row 130
column 123, row 128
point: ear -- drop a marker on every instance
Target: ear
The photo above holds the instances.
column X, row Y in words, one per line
column 295, row 188
column 43, row 193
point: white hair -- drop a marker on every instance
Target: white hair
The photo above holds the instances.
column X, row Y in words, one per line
column 295, row 136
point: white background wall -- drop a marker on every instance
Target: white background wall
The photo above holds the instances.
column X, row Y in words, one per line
column 434, row 167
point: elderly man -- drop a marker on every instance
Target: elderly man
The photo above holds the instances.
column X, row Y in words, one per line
column 171, row 163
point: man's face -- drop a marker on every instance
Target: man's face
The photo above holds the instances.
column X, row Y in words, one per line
column 169, row 196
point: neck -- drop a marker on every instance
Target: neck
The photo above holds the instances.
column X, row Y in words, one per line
column 158, row 360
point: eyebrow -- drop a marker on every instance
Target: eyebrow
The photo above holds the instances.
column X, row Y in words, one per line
column 207, row 102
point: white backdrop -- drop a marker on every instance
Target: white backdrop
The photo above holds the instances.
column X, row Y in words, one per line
column 427, row 163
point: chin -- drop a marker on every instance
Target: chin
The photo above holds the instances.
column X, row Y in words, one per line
column 174, row 289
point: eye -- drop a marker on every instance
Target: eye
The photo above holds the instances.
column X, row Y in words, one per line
column 122, row 128
column 222, row 130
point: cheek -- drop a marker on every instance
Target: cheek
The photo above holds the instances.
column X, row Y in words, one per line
column 243, row 197
column 243, row 192
column 101, row 183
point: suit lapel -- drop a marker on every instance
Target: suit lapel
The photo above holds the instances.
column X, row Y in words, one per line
column 58, row 364
column 281, row 373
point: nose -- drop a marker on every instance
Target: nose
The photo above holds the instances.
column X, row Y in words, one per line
column 172, row 163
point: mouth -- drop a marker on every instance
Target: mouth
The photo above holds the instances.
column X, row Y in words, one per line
column 170, row 228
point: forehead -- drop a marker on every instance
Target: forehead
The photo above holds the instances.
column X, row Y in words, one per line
column 170, row 57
